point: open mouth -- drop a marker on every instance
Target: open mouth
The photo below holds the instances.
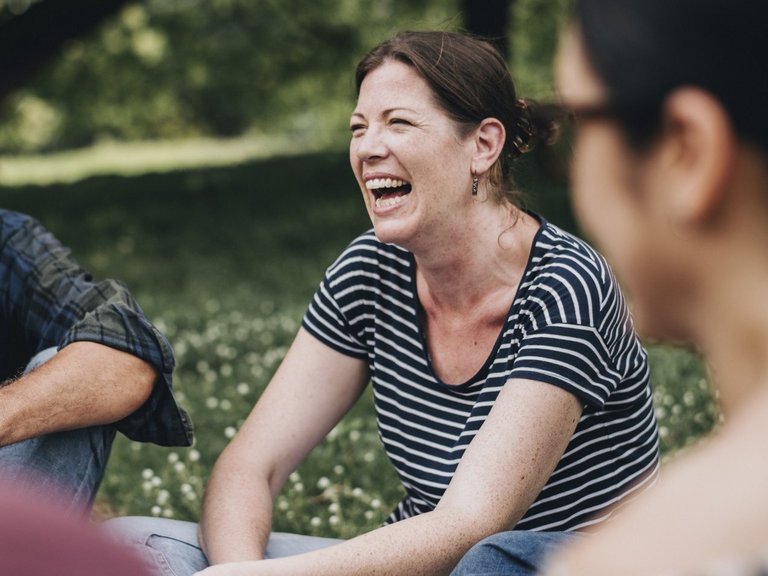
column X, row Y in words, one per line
column 388, row 191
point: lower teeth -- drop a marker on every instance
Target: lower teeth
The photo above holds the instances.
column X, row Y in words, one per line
column 386, row 202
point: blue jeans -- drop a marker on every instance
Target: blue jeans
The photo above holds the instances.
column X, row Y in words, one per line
column 171, row 548
column 70, row 463
column 514, row 553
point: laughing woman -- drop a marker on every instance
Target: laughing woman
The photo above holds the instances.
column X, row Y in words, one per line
column 510, row 388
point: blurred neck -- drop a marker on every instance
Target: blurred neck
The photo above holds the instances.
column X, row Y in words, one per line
column 730, row 316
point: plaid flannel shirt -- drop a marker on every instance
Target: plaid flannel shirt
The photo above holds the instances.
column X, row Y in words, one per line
column 47, row 299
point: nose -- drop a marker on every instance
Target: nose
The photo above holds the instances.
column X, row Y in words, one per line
column 370, row 145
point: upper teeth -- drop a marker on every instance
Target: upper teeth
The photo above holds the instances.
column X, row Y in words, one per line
column 375, row 183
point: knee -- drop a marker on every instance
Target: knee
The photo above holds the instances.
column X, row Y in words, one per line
column 143, row 529
column 166, row 546
column 512, row 553
column 483, row 558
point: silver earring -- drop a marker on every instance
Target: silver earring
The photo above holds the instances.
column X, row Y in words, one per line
column 475, row 183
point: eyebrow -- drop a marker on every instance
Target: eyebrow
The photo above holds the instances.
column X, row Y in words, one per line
column 387, row 112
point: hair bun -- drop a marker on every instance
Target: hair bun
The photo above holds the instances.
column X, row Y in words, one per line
column 532, row 127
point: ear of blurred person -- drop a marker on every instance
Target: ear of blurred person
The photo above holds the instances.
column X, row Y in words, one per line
column 40, row 537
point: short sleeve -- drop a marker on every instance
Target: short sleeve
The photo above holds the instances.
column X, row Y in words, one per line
column 326, row 322
column 571, row 357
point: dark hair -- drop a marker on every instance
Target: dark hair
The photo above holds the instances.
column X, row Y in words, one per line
column 471, row 82
column 642, row 50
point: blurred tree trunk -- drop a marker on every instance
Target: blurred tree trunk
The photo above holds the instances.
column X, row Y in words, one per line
column 32, row 39
column 489, row 18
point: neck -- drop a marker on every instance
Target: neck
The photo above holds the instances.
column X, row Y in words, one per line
column 466, row 268
column 731, row 317
column 733, row 334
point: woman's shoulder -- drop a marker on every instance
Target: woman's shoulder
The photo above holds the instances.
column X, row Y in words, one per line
column 560, row 254
column 569, row 274
column 367, row 253
column 553, row 244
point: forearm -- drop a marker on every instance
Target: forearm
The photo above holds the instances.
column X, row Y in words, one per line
column 429, row 544
column 236, row 518
column 85, row 384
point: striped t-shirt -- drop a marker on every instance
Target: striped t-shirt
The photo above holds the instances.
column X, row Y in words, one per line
column 568, row 326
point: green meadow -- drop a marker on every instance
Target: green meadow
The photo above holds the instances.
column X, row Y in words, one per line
column 224, row 260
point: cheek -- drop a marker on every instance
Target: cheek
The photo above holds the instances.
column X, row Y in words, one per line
column 357, row 171
column 638, row 244
column 610, row 213
column 602, row 197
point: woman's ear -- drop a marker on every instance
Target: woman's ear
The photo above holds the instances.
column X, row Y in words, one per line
column 698, row 155
column 489, row 142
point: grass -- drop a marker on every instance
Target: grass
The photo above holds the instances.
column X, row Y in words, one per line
column 224, row 260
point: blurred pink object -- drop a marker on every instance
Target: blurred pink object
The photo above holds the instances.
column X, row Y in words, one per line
column 40, row 537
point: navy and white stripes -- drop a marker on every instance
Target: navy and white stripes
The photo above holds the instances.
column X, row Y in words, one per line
column 568, row 326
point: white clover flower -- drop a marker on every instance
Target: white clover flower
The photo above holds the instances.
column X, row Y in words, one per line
column 225, row 404
column 230, row 431
column 298, row 487
column 354, row 435
column 333, row 507
column 333, row 520
column 193, row 455
column 186, row 488
column 375, row 503
column 156, row 481
column 315, row 522
column 338, row 469
column 357, row 492
column 167, row 513
column 368, row 515
column 243, row 388
column 369, row 456
column 163, row 496
column 147, row 473
column 180, row 467
column 156, row 510
column 323, row 483
column 294, row 477
column 173, row 457
column 211, row 402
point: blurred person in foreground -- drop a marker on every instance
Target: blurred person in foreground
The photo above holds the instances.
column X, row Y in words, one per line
column 78, row 361
column 509, row 385
column 670, row 178
column 40, row 537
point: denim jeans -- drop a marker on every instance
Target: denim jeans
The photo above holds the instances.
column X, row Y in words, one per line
column 514, row 553
column 70, row 463
column 171, row 548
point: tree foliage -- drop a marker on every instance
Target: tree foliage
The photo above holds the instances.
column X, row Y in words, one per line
column 168, row 69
